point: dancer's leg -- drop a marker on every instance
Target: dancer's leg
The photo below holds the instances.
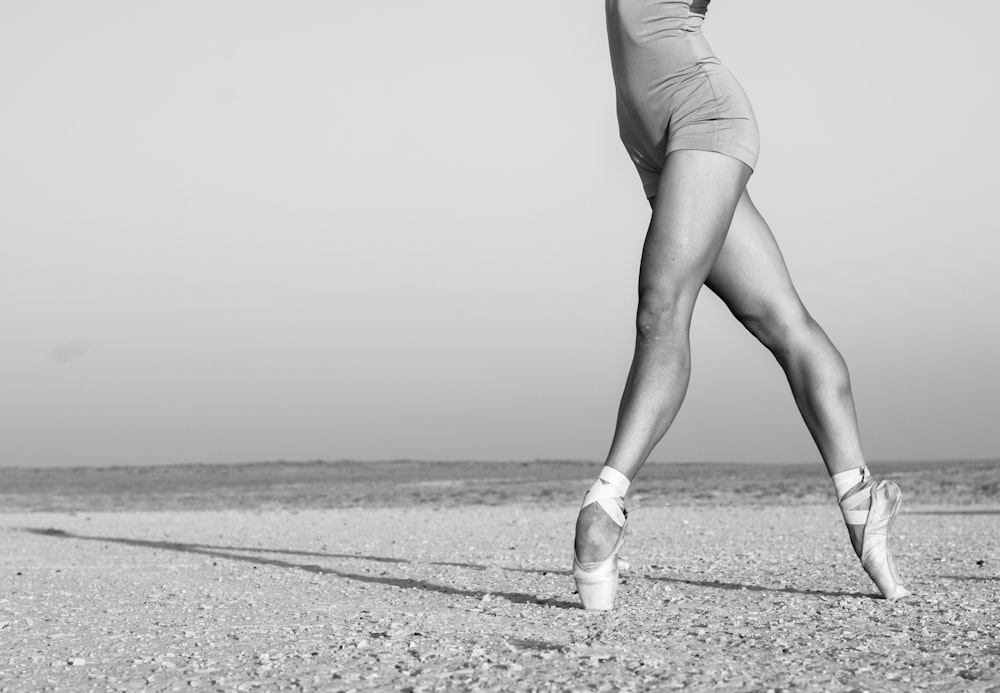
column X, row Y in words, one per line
column 751, row 278
column 692, row 211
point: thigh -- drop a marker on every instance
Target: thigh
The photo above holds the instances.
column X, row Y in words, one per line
column 750, row 274
column 692, row 211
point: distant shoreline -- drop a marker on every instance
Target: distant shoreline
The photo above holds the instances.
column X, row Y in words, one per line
column 409, row 483
column 301, row 463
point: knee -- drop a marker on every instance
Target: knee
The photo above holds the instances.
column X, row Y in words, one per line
column 660, row 314
column 782, row 329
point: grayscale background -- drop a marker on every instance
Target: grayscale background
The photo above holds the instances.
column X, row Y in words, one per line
column 235, row 231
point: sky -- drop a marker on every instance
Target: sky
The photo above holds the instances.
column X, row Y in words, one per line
column 246, row 231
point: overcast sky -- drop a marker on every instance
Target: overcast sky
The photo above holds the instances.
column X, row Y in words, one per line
column 237, row 231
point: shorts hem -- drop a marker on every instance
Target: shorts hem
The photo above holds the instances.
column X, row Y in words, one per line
column 732, row 150
column 745, row 155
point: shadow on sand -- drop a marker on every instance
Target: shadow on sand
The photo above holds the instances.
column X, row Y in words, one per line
column 737, row 586
column 224, row 552
column 406, row 583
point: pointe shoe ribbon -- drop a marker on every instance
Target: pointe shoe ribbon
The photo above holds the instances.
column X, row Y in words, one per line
column 610, row 496
column 597, row 582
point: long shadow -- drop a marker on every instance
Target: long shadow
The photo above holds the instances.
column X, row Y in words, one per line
column 364, row 557
column 387, row 559
column 355, row 556
column 969, row 578
column 952, row 512
column 736, row 586
column 407, row 583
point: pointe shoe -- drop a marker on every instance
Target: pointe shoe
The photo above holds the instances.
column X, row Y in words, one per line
column 884, row 500
column 876, row 559
column 597, row 582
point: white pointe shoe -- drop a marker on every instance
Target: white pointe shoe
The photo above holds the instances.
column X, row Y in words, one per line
column 597, row 583
column 875, row 556
column 885, row 501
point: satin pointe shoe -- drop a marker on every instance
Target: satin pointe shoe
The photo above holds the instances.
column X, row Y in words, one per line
column 876, row 559
column 597, row 582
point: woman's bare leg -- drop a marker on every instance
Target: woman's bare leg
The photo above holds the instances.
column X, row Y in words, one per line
column 750, row 276
column 692, row 211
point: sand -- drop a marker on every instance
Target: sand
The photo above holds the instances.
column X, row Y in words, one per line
column 734, row 597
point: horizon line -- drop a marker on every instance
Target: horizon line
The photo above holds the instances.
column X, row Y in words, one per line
column 279, row 462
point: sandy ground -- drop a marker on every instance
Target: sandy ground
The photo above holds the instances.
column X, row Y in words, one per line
column 479, row 597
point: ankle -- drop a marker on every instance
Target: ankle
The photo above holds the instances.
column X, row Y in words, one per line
column 850, row 479
column 608, row 492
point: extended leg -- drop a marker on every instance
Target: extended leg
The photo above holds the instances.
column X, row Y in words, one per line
column 751, row 278
column 691, row 213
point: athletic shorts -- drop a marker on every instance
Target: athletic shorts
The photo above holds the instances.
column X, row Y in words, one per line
column 672, row 92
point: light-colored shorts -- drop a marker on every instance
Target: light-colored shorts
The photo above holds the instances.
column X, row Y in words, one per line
column 672, row 92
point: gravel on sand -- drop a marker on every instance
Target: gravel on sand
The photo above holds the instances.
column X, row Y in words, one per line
column 750, row 597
